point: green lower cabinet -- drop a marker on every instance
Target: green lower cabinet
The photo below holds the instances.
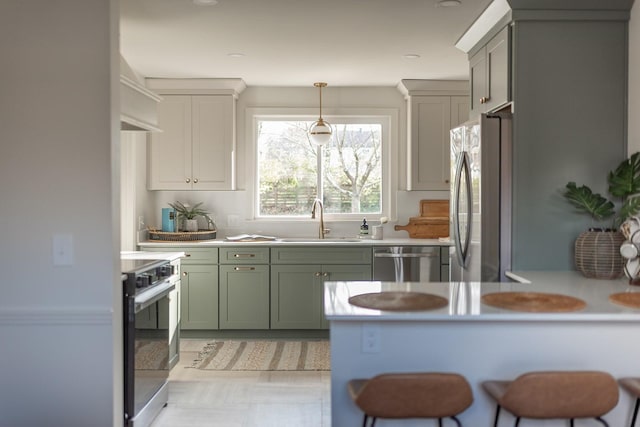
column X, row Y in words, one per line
column 297, row 293
column 199, row 298
column 244, row 297
column 334, row 273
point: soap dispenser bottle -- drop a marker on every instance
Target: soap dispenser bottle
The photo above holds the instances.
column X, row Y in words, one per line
column 364, row 228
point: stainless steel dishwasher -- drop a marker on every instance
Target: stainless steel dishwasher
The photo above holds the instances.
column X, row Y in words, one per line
column 406, row 263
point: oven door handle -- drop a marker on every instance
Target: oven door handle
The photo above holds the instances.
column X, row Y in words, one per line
column 158, row 292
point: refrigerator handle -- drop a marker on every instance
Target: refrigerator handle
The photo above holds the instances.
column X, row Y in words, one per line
column 466, row 166
column 462, row 167
column 456, row 210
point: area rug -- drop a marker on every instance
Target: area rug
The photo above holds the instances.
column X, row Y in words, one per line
column 231, row 355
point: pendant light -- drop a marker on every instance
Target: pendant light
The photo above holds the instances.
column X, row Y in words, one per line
column 320, row 131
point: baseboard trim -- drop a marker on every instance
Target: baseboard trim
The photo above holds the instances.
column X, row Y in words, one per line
column 256, row 334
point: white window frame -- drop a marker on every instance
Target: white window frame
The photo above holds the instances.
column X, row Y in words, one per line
column 387, row 117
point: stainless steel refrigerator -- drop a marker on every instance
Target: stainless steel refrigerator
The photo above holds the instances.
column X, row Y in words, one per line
column 480, row 200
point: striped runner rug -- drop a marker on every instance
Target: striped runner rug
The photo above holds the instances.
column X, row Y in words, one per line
column 231, row 355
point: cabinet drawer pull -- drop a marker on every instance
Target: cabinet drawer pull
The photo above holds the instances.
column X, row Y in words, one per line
column 187, row 255
column 244, row 255
column 244, row 268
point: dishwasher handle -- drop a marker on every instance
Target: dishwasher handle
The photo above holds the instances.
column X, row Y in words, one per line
column 407, row 255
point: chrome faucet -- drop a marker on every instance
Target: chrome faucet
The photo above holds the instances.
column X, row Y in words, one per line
column 321, row 231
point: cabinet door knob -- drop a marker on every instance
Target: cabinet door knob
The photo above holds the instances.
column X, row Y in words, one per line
column 318, row 274
column 195, row 180
column 188, row 180
column 482, row 100
column 325, row 274
column 184, row 273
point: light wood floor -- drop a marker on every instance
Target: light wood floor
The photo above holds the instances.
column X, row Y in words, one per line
column 199, row 398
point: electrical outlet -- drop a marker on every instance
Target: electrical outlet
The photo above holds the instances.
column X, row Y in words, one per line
column 371, row 339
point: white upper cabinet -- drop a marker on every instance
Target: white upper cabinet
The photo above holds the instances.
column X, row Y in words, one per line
column 196, row 148
column 435, row 107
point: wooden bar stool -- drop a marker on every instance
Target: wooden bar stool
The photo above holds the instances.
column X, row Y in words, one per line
column 412, row 395
column 632, row 385
column 555, row 394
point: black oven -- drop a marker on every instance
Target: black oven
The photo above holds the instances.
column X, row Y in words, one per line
column 146, row 339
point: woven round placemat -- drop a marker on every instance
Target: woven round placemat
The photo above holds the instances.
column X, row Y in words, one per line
column 535, row 302
column 399, row 301
column 628, row 299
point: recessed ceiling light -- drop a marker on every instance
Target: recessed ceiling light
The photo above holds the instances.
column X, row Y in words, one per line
column 448, row 3
column 236, row 54
column 205, row 2
column 411, row 56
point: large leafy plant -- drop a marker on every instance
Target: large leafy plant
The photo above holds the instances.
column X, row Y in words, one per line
column 624, row 183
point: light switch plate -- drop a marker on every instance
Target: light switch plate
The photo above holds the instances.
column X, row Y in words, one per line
column 62, row 249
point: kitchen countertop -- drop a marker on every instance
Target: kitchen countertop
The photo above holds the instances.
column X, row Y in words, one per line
column 169, row 256
column 301, row 241
column 464, row 299
column 481, row 342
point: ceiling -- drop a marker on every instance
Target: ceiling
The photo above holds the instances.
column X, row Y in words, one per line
column 297, row 42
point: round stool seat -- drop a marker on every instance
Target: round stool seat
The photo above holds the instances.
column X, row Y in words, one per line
column 556, row 394
column 412, row 395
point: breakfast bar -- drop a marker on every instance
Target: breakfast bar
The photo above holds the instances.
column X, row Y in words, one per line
column 484, row 331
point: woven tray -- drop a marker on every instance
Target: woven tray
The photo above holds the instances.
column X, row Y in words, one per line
column 183, row 236
column 533, row 302
column 399, row 301
column 627, row 299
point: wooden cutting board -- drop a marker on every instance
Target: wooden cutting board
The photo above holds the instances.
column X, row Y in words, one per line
column 432, row 223
column 426, row 228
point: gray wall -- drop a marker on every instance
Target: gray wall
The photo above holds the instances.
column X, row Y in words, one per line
column 59, row 127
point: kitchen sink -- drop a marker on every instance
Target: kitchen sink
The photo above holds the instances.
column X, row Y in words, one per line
column 318, row 240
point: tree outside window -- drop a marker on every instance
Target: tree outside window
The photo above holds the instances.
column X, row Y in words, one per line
column 345, row 174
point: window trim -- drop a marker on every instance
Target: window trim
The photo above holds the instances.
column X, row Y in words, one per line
column 388, row 117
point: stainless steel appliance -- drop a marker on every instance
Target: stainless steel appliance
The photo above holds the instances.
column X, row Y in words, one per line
column 146, row 342
column 481, row 199
column 406, row 264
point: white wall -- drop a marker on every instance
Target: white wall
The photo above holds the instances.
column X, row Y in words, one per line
column 634, row 79
column 238, row 203
column 59, row 126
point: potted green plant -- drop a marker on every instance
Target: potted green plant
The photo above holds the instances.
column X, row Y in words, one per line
column 188, row 216
column 597, row 250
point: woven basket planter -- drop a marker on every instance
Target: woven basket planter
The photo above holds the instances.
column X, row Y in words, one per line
column 597, row 254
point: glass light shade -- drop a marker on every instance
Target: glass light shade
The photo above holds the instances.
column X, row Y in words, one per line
column 320, row 132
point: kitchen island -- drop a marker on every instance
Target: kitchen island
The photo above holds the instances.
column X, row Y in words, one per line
column 480, row 341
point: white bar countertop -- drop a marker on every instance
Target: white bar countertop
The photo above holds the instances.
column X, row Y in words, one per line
column 169, row 256
column 481, row 342
column 302, row 241
column 464, row 299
